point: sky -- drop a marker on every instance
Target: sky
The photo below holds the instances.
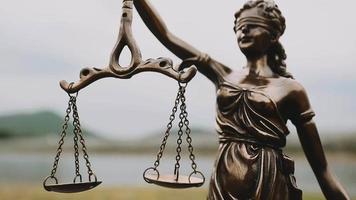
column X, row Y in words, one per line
column 43, row 42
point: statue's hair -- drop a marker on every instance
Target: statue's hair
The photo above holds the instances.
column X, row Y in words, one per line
column 276, row 54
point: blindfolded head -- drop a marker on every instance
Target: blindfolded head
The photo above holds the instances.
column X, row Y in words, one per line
column 263, row 13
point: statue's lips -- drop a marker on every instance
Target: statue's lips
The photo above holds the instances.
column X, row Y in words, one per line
column 246, row 39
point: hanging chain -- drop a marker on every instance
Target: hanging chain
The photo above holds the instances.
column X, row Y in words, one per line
column 63, row 134
column 180, row 131
column 75, row 138
column 183, row 127
column 188, row 131
column 167, row 133
column 78, row 132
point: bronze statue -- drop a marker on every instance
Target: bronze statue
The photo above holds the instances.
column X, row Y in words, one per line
column 253, row 106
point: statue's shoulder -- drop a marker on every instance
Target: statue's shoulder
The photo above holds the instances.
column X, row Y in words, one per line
column 296, row 93
column 300, row 109
column 293, row 86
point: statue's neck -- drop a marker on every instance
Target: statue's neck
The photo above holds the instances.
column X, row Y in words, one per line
column 258, row 67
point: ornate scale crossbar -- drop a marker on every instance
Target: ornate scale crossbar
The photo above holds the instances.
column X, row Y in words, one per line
column 137, row 65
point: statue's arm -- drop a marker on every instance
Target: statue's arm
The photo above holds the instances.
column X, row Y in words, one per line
column 210, row 68
column 312, row 147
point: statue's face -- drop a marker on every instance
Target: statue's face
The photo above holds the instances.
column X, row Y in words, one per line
column 253, row 40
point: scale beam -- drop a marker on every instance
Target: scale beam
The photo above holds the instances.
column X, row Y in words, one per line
column 137, row 65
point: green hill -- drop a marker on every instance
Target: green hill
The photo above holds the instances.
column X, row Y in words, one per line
column 31, row 125
column 42, row 129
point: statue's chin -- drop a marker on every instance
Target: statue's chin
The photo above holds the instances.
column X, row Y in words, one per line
column 250, row 52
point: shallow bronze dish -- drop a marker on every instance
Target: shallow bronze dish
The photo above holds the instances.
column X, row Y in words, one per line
column 71, row 187
column 171, row 181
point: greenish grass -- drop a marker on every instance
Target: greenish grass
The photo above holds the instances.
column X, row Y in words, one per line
column 122, row 193
column 116, row 193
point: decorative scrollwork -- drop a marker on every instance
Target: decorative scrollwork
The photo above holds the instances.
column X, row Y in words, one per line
column 137, row 65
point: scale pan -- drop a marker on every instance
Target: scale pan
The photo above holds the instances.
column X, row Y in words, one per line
column 171, row 182
column 71, row 187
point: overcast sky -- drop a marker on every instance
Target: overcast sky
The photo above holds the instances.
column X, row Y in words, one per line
column 43, row 42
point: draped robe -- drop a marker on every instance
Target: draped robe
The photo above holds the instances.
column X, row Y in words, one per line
column 250, row 162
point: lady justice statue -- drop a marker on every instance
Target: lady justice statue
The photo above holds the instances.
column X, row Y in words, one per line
column 253, row 107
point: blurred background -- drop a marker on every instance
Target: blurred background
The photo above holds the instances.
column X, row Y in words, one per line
column 43, row 42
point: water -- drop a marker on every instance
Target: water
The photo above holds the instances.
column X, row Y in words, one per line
column 126, row 170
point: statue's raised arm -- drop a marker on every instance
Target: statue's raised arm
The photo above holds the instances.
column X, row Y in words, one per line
column 210, row 68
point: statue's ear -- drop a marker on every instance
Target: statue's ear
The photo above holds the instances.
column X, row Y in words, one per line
column 274, row 38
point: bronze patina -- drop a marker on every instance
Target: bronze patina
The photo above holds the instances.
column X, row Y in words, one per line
column 137, row 65
column 78, row 185
column 114, row 69
column 195, row 178
column 253, row 107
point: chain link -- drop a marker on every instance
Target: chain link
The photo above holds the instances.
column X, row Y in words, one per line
column 78, row 132
column 180, row 130
column 188, row 131
column 75, row 138
column 182, row 124
column 63, row 134
column 78, row 136
column 167, row 133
